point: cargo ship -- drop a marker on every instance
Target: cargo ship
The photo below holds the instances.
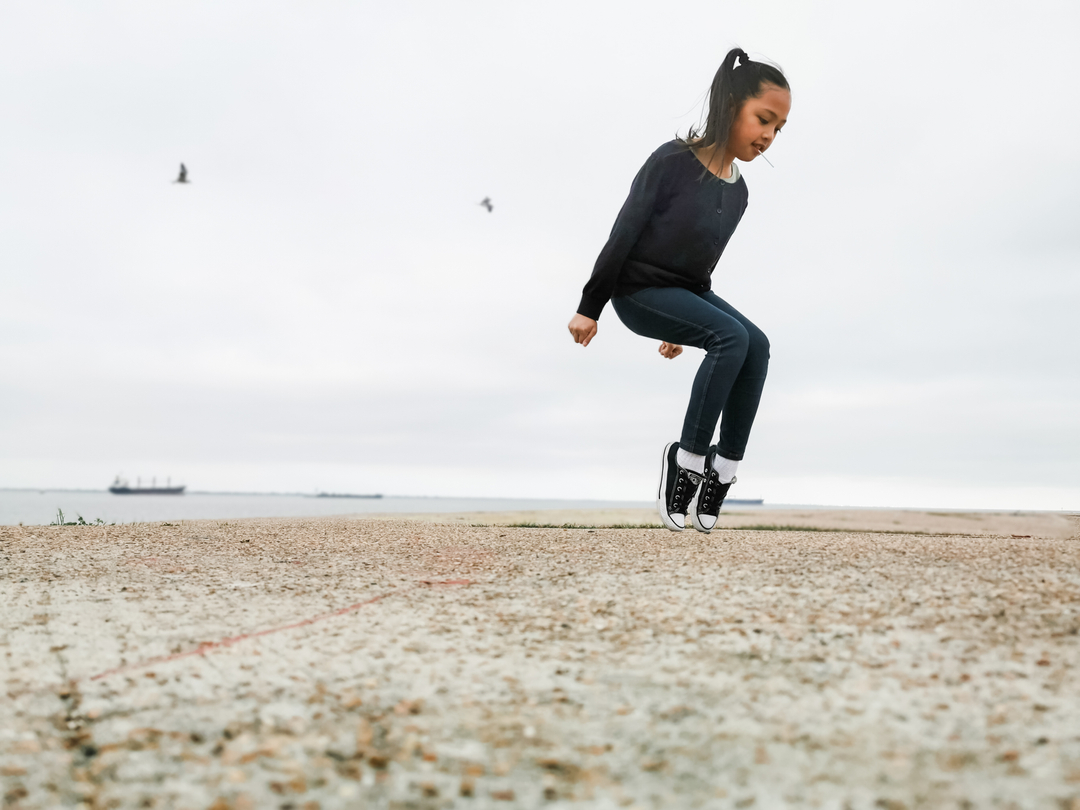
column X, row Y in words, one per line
column 121, row 487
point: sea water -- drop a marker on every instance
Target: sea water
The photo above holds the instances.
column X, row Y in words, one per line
column 34, row 507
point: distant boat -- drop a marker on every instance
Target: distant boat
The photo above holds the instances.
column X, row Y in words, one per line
column 744, row 501
column 343, row 495
column 121, row 487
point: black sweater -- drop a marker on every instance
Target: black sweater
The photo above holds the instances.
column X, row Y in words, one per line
column 670, row 232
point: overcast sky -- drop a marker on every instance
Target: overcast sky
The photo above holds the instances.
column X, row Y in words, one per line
column 327, row 306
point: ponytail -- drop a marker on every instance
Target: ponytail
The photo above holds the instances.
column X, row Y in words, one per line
column 737, row 80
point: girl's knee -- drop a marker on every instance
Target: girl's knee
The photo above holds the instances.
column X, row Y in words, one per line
column 728, row 337
column 757, row 353
column 759, row 343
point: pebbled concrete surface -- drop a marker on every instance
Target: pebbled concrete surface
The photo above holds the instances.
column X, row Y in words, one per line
column 340, row 663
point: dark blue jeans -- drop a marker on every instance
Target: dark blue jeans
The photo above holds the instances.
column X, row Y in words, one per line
column 731, row 376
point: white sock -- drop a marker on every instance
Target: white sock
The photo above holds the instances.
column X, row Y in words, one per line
column 725, row 468
column 690, row 461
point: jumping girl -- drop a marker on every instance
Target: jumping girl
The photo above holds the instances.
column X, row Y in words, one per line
column 656, row 270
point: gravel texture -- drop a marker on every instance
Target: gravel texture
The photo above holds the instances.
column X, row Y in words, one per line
column 359, row 663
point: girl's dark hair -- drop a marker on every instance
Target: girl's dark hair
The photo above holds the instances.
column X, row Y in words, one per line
column 731, row 87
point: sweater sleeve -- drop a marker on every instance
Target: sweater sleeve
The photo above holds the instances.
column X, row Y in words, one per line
column 628, row 226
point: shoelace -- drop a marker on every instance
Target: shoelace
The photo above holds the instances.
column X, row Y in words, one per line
column 680, row 498
column 713, row 489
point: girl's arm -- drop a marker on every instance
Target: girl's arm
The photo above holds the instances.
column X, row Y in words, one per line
column 629, row 224
column 670, row 350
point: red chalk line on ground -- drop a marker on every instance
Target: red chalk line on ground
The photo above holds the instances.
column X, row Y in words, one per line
column 214, row 646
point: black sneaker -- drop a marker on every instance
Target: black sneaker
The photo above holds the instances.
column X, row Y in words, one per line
column 705, row 507
column 677, row 488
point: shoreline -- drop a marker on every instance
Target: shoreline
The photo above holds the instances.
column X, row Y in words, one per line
column 120, row 510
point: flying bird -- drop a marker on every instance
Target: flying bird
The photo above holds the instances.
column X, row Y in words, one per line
column 183, row 175
column 486, row 202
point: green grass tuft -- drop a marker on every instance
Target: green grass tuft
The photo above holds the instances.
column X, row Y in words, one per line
column 573, row 525
column 757, row 527
column 59, row 521
column 763, row 527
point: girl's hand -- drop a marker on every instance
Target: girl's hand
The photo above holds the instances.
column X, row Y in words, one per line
column 583, row 329
column 670, row 350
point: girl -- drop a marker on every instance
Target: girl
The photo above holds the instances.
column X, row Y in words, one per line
column 656, row 270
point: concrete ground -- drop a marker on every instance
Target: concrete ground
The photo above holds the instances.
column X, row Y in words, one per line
column 341, row 663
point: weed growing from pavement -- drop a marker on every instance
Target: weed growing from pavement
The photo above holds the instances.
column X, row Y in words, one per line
column 575, row 525
column 79, row 522
column 771, row 528
column 758, row 527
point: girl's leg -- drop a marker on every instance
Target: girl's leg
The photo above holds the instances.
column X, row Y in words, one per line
column 707, row 322
column 741, row 405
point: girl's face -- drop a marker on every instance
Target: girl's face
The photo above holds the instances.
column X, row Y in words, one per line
column 758, row 122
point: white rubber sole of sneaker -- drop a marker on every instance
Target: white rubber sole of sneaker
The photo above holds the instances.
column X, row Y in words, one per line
column 696, row 519
column 661, row 501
